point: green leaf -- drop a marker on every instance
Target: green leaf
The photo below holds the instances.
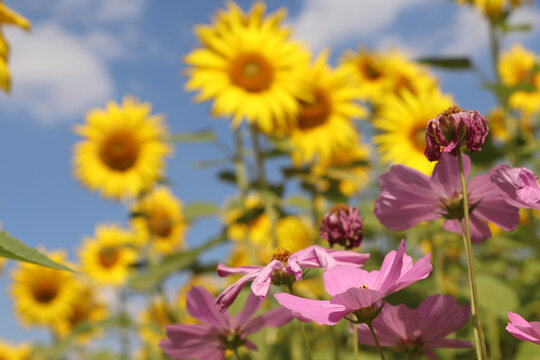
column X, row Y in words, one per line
column 196, row 210
column 495, row 296
column 228, row 176
column 193, row 137
column 453, row 63
column 504, row 92
column 507, row 28
column 154, row 275
column 15, row 249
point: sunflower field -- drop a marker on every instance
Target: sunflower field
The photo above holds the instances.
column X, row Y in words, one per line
column 313, row 179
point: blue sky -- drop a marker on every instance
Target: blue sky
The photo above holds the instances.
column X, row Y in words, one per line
column 81, row 53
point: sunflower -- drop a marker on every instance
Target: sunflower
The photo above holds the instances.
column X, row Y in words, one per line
column 348, row 166
column 324, row 122
column 517, row 67
column 43, row 295
column 153, row 320
column 107, row 257
column 160, row 221
column 8, row 17
column 13, row 352
column 401, row 122
column 249, row 67
column 493, row 9
column 123, row 151
column 239, row 231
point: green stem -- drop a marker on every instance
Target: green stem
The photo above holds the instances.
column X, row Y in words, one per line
column 480, row 344
column 302, row 331
column 493, row 336
column 124, row 335
column 372, row 331
column 355, row 340
column 240, row 166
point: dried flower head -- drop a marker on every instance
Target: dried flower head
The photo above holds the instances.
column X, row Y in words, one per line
column 343, row 225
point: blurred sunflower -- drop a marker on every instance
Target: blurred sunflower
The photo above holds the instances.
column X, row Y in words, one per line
column 239, row 230
column 494, row 9
column 123, row 151
column 86, row 309
column 107, row 257
column 348, row 166
column 159, row 221
column 249, row 67
column 401, row 122
column 153, row 320
column 324, row 122
column 12, row 352
column 8, row 17
column 43, row 295
column 517, row 67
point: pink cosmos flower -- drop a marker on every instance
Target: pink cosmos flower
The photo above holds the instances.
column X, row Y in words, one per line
column 416, row 332
column 358, row 291
column 284, row 266
column 219, row 331
column 342, row 225
column 408, row 197
column 454, row 128
column 518, row 186
column 522, row 329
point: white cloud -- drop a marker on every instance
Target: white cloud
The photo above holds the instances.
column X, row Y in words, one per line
column 98, row 10
column 55, row 75
column 324, row 23
column 466, row 35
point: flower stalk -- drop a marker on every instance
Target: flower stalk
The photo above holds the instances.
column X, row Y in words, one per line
column 302, row 331
column 479, row 341
column 355, row 341
column 372, row 331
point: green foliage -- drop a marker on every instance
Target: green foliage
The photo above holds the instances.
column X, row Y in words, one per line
column 200, row 209
column 495, row 296
column 449, row 63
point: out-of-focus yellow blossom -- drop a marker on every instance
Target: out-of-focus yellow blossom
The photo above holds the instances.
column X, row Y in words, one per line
column 517, row 66
column 8, row 17
column 107, row 257
column 15, row 352
column 43, row 295
column 401, row 122
column 160, row 221
column 324, row 122
column 239, row 231
column 87, row 308
column 153, row 320
column 249, row 68
column 380, row 74
column 349, row 166
column 497, row 127
column 123, row 150
column 493, row 9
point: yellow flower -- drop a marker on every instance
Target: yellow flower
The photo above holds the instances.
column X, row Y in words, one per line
column 8, row 17
column 402, row 122
column 324, row 122
column 12, row 352
column 250, row 68
column 348, row 166
column 160, row 221
column 87, row 308
column 153, row 320
column 43, row 295
column 493, row 9
column 123, row 150
column 239, row 231
column 107, row 257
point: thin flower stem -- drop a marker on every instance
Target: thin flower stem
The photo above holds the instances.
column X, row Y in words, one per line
column 124, row 334
column 302, row 331
column 480, row 344
column 240, row 166
column 372, row 331
column 236, row 354
column 355, row 340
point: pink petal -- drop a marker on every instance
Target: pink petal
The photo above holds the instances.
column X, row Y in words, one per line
column 339, row 279
column 390, row 270
column 273, row 318
column 253, row 303
column 227, row 297
column 442, row 316
column 518, row 186
column 357, row 298
column 522, row 329
column 446, row 179
column 251, row 346
column 479, row 229
column 261, row 285
column 419, row 271
column 201, row 305
column 224, row 270
column 346, row 257
column 450, row 343
column 320, row 311
column 498, row 212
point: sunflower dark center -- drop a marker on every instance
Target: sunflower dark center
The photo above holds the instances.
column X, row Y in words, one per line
column 108, row 256
column 315, row 112
column 45, row 290
column 160, row 225
column 119, row 151
column 370, row 70
column 252, row 72
column 417, row 136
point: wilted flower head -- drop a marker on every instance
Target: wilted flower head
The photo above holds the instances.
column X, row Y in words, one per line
column 358, row 291
column 519, row 186
column 219, row 331
column 416, row 332
column 522, row 329
column 453, row 129
column 284, row 267
column 342, row 225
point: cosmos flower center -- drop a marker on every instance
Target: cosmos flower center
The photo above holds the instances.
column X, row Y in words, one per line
column 119, row 151
column 160, row 224
column 45, row 290
column 454, row 206
column 411, row 347
column 232, row 340
column 315, row 112
column 108, row 256
column 252, row 72
column 281, row 254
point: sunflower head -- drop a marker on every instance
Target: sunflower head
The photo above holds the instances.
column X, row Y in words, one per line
column 15, row 352
column 123, row 150
column 107, row 257
column 160, row 221
column 42, row 295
